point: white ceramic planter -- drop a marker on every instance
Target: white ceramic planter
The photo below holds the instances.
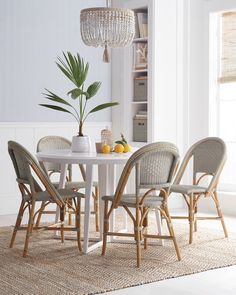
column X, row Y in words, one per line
column 81, row 144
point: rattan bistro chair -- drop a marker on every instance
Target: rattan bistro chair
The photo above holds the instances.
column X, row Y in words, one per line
column 208, row 158
column 155, row 165
column 27, row 171
column 48, row 143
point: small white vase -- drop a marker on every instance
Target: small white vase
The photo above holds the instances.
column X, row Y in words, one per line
column 81, row 144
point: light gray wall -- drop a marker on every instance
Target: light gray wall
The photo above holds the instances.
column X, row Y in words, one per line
column 32, row 34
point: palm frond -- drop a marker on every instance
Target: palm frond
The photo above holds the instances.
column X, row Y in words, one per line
column 53, row 97
column 93, row 89
column 103, row 106
column 73, row 67
column 75, row 93
column 56, row 108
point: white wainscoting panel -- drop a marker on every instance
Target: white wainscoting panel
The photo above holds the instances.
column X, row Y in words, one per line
column 28, row 134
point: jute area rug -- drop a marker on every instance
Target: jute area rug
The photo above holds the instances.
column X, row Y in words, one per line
column 56, row 268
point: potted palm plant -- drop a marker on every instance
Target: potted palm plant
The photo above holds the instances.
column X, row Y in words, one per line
column 76, row 70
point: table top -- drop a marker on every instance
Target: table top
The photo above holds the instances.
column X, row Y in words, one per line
column 69, row 157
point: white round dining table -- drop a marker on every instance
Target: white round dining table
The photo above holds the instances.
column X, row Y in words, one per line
column 106, row 179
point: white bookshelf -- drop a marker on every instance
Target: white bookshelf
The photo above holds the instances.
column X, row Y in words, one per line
column 123, row 116
column 165, row 77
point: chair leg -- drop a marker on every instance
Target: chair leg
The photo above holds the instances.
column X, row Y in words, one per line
column 69, row 214
column 195, row 213
column 62, row 218
column 137, row 236
column 105, row 228
column 42, row 207
column 217, row 203
column 171, row 231
column 191, row 219
column 18, row 223
column 159, row 221
column 145, row 225
column 29, row 228
column 96, row 208
column 78, row 215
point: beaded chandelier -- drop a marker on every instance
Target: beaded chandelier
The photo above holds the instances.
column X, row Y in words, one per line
column 107, row 27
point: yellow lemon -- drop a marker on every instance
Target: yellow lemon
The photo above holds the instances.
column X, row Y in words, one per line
column 127, row 148
column 119, row 148
column 106, row 149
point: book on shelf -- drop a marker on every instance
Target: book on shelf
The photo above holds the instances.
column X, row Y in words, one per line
column 141, row 78
column 141, row 115
column 144, row 117
column 142, row 24
column 137, row 32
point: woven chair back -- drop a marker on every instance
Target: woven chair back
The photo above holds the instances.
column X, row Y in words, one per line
column 155, row 166
column 208, row 155
column 49, row 143
column 24, row 163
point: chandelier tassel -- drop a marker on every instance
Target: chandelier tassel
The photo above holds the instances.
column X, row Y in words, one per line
column 106, row 57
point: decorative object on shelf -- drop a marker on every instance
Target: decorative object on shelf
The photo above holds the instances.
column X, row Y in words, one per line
column 107, row 27
column 74, row 68
column 140, row 55
column 106, row 137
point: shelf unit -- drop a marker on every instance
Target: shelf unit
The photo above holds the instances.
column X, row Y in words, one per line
column 165, row 75
column 139, row 97
column 124, row 72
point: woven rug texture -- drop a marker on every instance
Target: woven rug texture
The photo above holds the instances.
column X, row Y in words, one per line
column 56, row 268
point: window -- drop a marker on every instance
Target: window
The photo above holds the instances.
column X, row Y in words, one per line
column 226, row 115
column 227, row 131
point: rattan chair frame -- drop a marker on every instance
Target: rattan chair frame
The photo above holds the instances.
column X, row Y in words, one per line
column 140, row 217
column 57, row 142
column 25, row 165
column 202, row 168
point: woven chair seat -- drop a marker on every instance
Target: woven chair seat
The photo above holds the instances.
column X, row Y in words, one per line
column 45, row 196
column 130, row 200
column 187, row 189
column 74, row 184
